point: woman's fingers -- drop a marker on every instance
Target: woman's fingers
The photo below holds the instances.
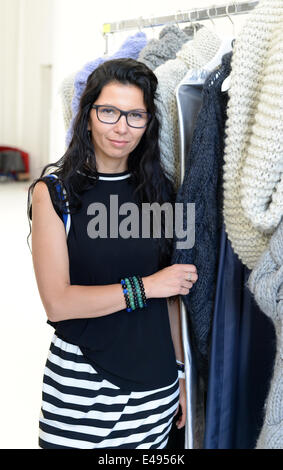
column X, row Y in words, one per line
column 193, row 277
column 187, row 284
column 190, row 268
column 181, row 421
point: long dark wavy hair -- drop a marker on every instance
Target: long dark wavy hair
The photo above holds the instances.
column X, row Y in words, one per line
column 152, row 184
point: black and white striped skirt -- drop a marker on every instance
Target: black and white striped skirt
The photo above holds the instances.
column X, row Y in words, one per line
column 82, row 410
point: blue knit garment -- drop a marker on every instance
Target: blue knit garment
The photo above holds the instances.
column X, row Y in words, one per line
column 202, row 185
column 130, row 48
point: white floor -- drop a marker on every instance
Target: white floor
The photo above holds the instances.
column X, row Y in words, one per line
column 24, row 335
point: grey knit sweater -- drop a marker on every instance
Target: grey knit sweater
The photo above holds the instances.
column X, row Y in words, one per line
column 158, row 51
column 171, row 39
column 266, row 283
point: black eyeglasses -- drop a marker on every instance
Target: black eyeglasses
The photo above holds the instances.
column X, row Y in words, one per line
column 111, row 115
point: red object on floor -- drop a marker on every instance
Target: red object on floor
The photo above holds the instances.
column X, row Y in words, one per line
column 24, row 155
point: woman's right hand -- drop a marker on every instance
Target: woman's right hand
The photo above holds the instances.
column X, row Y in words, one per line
column 170, row 281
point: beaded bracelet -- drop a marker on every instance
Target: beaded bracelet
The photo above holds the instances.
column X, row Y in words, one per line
column 139, row 292
column 130, row 294
column 140, row 281
column 133, row 290
column 126, row 295
column 136, row 291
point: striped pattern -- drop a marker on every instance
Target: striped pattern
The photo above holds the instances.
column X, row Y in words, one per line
column 82, row 410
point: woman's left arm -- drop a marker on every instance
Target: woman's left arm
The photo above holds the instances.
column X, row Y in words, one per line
column 176, row 332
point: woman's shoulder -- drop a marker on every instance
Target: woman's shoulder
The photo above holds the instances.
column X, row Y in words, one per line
column 44, row 193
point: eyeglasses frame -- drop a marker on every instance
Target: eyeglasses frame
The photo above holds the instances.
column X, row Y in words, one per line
column 122, row 113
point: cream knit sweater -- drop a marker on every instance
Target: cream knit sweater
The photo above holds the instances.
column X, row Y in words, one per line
column 262, row 178
column 254, row 143
column 66, row 91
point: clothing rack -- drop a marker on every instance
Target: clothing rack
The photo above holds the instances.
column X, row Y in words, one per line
column 188, row 16
column 194, row 15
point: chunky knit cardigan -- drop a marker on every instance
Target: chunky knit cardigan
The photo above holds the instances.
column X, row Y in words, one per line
column 202, row 185
column 130, row 48
column 194, row 54
column 266, row 283
column 253, row 185
column 262, row 177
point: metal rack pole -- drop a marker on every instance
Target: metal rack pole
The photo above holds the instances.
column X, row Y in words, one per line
column 234, row 8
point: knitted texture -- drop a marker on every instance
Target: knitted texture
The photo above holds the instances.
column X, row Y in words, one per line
column 66, row 92
column 262, row 179
column 252, row 62
column 158, row 51
column 202, row 185
column 129, row 49
column 193, row 54
column 266, row 283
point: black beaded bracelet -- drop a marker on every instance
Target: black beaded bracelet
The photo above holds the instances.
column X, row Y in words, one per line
column 141, row 284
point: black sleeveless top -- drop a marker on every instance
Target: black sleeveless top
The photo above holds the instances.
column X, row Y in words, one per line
column 134, row 350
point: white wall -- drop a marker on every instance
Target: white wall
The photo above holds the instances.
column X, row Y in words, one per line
column 26, row 33
column 9, row 40
column 45, row 41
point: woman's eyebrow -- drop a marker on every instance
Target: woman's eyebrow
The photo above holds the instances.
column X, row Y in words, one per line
column 132, row 109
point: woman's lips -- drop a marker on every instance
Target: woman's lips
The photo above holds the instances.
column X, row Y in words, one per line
column 118, row 143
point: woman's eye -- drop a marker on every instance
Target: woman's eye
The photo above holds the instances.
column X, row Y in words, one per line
column 107, row 110
column 136, row 115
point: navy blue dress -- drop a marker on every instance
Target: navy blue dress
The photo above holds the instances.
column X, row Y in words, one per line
column 241, row 359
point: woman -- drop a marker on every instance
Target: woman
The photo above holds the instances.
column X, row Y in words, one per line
column 111, row 377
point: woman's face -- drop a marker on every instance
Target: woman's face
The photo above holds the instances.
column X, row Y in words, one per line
column 114, row 142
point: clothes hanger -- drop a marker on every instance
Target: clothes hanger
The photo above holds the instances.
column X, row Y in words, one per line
column 229, row 17
column 210, row 18
column 226, row 83
column 192, row 25
column 139, row 23
column 176, row 20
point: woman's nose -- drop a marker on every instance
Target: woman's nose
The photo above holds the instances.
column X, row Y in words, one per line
column 121, row 125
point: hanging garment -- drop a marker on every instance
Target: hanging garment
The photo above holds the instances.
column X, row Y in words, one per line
column 189, row 100
column 158, row 51
column 266, row 283
column 130, row 48
column 189, row 97
column 194, row 54
column 241, row 359
column 253, row 186
column 202, row 187
column 262, row 178
column 66, row 92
